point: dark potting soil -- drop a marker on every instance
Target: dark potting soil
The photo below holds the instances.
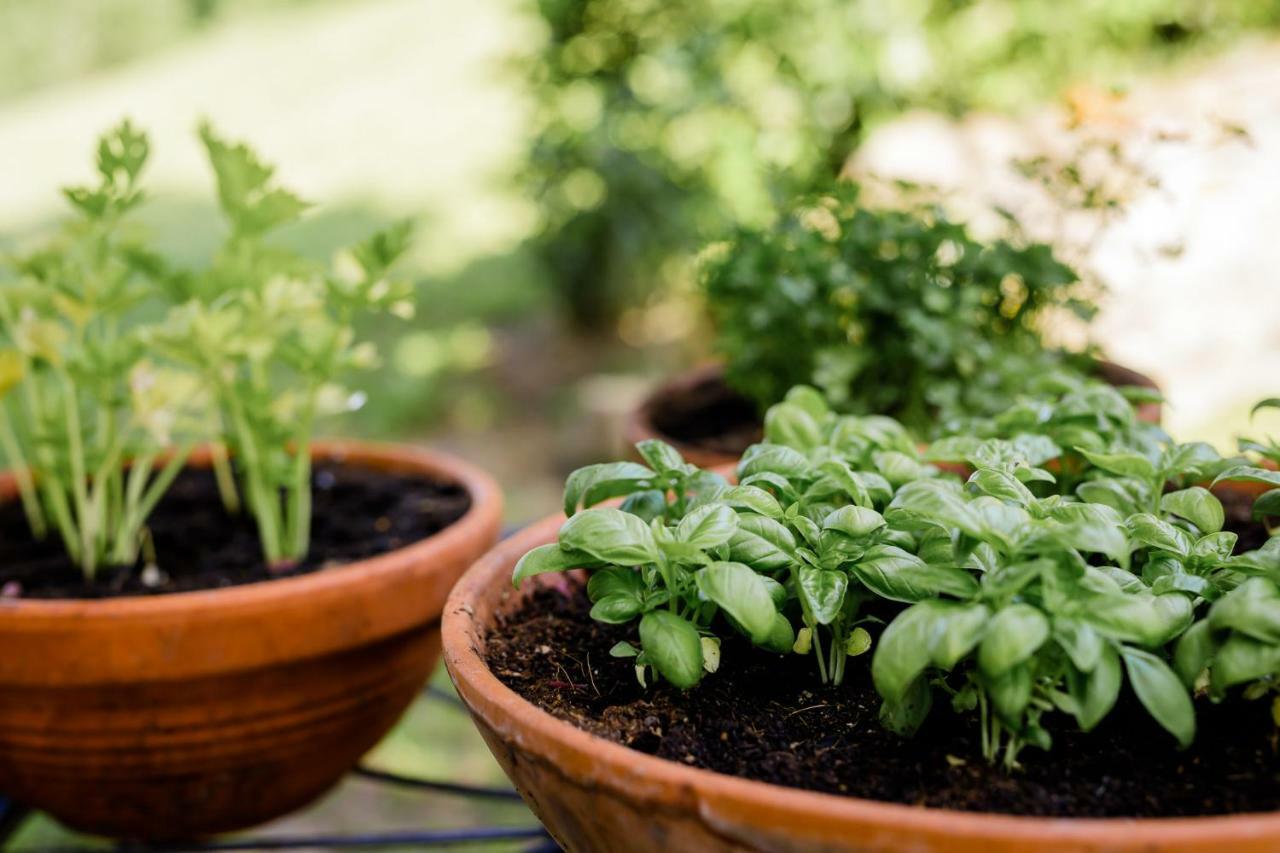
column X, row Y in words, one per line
column 779, row 724
column 708, row 415
column 356, row 513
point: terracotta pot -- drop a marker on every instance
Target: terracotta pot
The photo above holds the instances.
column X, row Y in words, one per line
column 701, row 393
column 177, row 716
column 593, row 794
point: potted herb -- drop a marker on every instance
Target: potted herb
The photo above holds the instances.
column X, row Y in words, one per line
column 807, row 656
column 207, row 615
column 898, row 312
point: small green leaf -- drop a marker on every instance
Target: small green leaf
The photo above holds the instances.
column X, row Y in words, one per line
column 1014, row 634
column 902, row 652
column 1124, row 464
column 549, row 558
column 596, row 483
column 617, row 609
column 623, row 649
column 1096, row 692
column 660, row 456
column 958, row 632
column 855, row 522
column 1250, row 474
column 822, row 592
column 1010, row 694
column 742, row 594
column 708, row 527
column 672, row 646
column 1267, row 504
column 1253, row 609
column 1080, row 641
column 895, row 574
column 1161, row 693
column 610, row 535
column 1158, row 533
column 1197, row 505
column 791, row 425
column 1194, row 651
column 905, row 713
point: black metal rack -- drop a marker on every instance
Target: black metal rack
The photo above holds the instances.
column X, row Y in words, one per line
column 13, row 815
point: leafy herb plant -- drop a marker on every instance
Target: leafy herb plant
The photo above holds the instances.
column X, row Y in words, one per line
column 114, row 364
column 1023, row 581
column 899, row 312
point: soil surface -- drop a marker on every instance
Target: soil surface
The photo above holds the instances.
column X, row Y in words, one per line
column 708, row 415
column 357, row 513
column 778, row 724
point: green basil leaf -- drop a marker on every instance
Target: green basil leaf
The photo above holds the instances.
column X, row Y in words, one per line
column 1195, row 649
column 821, row 592
column 939, row 502
column 1197, row 505
column 660, row 456
column 617, row 609
column 781, row 636
column 549, row 558
column 1124, row 464
column 646, row 505
column 855, row 522
column 762, row 543
column 751, row 498
column 743, row 594
column 772, row 459
column 1161, row 693
column 1242, row 659
column 615, row 580
column 671, row 644
column 1215, row 547
column 1148, row 620
column 708, row 527
column 1158, row 533
column 810, row 399
column 905, row 714
column 1001, row 485
column 897, row 467
column 1267, row 504
column 1123, row 495
column 791, row 425
column 596, row 483
column 902, row 653
column 1249, row 473
column 956, row 632
column 1096, row 692
column 610, row 535
column 895, row 574
column 1013, row 635
column 1010, row 694
column 1080, row 641
column 1253, row 609
column 953, row 448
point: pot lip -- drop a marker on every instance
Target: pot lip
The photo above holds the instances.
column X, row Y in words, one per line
column 483, row 513
column 635, row 774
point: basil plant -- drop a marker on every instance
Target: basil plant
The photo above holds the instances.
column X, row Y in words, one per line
column 1025, row 577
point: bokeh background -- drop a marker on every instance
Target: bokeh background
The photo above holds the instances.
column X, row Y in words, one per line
column 565, row 160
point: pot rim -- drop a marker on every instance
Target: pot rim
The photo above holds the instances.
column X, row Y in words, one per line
column 734, row 801
column 175, row 621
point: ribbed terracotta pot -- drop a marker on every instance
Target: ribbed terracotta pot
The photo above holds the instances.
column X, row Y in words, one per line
column 595, row 795
column 177, row 716
column 705, row 387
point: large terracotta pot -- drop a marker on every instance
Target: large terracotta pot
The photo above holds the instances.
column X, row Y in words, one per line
column 596, row 795
column 702, row 395
column 176, row 716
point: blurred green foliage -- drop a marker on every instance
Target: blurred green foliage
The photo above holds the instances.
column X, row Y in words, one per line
column 886, row 311
column 660, row 125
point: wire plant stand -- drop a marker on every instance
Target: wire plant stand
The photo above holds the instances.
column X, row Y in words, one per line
column 14, row 815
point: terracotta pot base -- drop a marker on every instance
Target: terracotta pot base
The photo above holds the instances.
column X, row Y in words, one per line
column 179, row 716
